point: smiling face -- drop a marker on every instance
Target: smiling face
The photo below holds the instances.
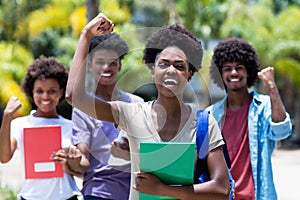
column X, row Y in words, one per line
column 105, row 66
column 46, row 95
column 234, row 76
column 171, row 72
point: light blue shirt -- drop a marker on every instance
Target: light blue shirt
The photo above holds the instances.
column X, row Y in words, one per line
column 263, row 134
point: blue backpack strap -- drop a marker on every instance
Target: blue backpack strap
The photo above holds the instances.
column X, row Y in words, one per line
column 202, row 148
column 202, row 136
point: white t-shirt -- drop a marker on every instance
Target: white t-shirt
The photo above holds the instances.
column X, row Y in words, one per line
column 135, row 119
column 46, row 188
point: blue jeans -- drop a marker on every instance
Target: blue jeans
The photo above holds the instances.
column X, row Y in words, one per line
column 93, row 198
column 72, row 198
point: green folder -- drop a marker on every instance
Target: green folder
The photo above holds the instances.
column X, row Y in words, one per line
column 172, row 163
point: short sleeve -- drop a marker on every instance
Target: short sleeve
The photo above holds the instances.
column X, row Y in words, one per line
column 215, row 136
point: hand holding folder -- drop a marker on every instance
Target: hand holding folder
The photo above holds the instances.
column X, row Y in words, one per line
column 172, row 163
column 39, row 144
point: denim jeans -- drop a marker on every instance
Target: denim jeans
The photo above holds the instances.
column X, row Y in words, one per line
column 93, row 198
column 72, row 198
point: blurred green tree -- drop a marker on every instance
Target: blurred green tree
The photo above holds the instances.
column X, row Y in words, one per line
column 13, row 66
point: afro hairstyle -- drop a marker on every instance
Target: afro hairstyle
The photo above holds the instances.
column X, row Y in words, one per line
column 234, row 50
column 109, row 41
column 174, row 35
column 44, row 68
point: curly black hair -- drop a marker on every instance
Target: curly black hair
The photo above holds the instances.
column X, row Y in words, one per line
column 43, row 68
column 109, row 41
column 174, row 35
column 234, row 50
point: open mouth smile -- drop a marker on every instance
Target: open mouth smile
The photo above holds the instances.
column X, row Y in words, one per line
column 170, row 82
column 106, row 75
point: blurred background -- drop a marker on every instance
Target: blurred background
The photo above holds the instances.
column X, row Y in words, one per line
column 30, row 28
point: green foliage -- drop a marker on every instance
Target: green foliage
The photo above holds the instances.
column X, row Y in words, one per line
column 13, row 12
column 286, row 57
column 66, row 46
column 280, row 5
column 69, row 5
column 51, row 43
column 244, row 24
column 14, row 61
column 127, row 3
column 203, row 18
column 204, row 71
column 10, row 88
column 287, row 24
column 45, row 43
column 112, row 10
column 285, row 52
column 49, row 17
column 290, row 68
column 286, row 49
column 7, row 193
column 211, row 15
column 78, row 21
column 149, row 14
column 37, row 17
column 7, row 20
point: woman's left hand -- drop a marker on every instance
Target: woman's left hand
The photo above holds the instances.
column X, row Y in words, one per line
column 147, row 183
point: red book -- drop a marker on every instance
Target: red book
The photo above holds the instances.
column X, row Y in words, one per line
column 39, row 144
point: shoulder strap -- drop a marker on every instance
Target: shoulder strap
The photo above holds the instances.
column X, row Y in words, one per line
column 202, row 133
column 226, row 154
column 202, row 147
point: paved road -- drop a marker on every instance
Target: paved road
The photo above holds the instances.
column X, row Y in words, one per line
column 286, row 168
